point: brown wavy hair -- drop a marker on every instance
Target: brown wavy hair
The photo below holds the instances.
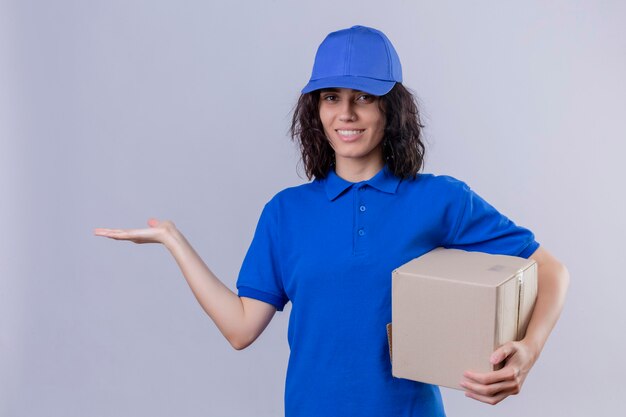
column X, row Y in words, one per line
column 403, row 148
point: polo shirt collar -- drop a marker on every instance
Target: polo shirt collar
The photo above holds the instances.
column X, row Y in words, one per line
column 384, row 181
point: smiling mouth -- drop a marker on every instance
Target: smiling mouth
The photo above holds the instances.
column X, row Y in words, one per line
column 348, row 133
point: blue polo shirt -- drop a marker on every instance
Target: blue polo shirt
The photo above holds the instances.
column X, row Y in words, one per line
column 329, row 247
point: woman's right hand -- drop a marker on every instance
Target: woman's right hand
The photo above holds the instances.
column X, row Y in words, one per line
column 158, row 232
column 240, row 319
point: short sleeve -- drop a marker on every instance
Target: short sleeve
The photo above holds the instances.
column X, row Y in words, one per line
column 260, row 275
column 480, row 227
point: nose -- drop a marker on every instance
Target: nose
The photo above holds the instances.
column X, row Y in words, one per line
column 347, row 112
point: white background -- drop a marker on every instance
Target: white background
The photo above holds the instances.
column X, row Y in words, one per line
column 115, row 111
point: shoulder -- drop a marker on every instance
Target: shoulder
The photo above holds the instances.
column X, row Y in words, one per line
column 437, row 184
column 297, row 195
column 442, row 180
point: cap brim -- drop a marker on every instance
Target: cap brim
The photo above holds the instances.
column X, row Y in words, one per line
column 368, row 85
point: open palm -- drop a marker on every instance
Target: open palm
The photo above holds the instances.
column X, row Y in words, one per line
column 156, row 233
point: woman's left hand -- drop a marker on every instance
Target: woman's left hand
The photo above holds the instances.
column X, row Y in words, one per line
column 493, row 387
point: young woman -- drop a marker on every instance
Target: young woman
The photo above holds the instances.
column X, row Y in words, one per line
column 329, row 246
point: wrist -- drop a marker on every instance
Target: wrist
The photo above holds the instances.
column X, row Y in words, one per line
column 172, row 238
column 533, row 347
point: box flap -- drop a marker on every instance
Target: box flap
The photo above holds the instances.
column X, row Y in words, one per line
column 476, row 268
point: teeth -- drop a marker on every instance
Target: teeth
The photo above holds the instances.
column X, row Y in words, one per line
column 349, row 132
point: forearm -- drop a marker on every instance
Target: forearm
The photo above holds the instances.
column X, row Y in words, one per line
column 553, row 280
column 221, row 304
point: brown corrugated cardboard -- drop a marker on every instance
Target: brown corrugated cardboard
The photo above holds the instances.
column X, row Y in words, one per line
column 451, row 309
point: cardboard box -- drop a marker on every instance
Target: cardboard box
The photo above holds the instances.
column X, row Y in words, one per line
column 451, row 309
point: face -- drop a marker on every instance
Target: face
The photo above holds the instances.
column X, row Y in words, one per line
column 353, row 124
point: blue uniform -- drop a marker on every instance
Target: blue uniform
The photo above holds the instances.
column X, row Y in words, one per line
column 329, row 247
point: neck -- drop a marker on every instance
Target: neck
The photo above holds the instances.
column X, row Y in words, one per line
column 356, row 171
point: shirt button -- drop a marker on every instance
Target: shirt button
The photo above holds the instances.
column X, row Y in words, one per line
column 361, row 232
column 362, row 208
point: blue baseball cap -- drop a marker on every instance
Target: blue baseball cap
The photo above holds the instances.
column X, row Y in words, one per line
column 361, row 58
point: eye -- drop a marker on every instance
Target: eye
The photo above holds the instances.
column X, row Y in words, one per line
column 365, row 97
column 329, row 97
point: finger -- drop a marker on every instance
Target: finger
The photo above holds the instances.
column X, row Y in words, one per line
column 152, row 222
column 502, row 353
column 104, row 232
column 508, row 373
column 493, row 400
column 491, row 389
column 115, row 233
